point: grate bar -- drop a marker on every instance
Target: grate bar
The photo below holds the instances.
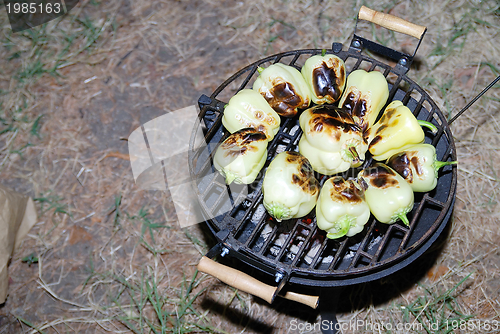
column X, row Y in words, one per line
column 288, row 242
column 248, row 77
column 362, row 247
column 365, row 254
column 253, row 204
column 218, row 201
column 206, row 192
column 384, row 241
column 419, row 106
column 270, row 238
column 393, row 90
column 319, row 253
column 292, row 63
column 416, row 216
column 338, row 253
column 408, row 97
column 434, row 201
column 300, row 253
column 447, row 154
column 205, row 167
column 256, row 232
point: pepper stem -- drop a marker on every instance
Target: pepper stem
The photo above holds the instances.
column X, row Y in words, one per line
column 323, row 52
column 230, row 177
column 260, row 69
column 350, row 154
column 403, row 218
column 342, row 226
column 355, row 155
column 439, row 164
column 428, row 125
column 278, row 211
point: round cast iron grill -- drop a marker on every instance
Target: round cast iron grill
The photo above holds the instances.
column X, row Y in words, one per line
column 297, row 250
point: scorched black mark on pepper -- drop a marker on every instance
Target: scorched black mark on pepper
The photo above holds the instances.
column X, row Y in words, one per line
column 284, row 88
column 326, row 82
column 305, row 178
column 343, row 191
column 332, row 120
column 401, row 164
column 416, row 163
column 357, row 106
column 380, row 177
column 331, row 140
column 283, row 98
column 239, row 142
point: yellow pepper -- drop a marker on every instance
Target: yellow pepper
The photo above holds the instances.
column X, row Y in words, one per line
column 396, row 129
column 331, row 141
column 341, row 209
column 325, row 75
column 284, row 88
column 241, row 156
column 418, row 165
column 364, row 96
column 248, row 109
column 290, row 188
column 388, row 195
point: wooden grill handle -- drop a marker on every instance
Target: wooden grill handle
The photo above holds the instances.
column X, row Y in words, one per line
column 247, row 283
column 391, row 22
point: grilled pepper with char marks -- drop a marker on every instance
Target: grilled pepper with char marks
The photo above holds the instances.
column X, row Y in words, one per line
column 241, row 156
column 387, row 194
column 248, row 109
column 364, row 96
column 341, row 209
column 331, row 140
column 325, row 75
column 419, row 166
column 396, row 129
column 284, row 88
column 290, row 188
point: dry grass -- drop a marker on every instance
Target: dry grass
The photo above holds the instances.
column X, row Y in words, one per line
column 71, row 92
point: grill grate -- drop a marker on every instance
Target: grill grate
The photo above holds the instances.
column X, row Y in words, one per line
column 297, row 247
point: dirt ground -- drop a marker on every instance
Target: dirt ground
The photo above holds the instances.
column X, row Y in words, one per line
column 111, row 258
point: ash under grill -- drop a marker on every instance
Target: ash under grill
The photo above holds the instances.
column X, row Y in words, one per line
column 297, row 247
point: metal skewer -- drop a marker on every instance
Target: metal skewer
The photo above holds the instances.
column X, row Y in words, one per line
column 475, row 99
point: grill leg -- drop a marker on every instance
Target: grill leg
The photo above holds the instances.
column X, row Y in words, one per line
column 328, row 310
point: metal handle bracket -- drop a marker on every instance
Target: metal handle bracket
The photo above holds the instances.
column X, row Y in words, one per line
column 393, row 23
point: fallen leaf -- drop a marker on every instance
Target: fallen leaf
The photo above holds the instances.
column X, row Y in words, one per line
column 95, row 219
column 78, row 234
column 436, row 272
